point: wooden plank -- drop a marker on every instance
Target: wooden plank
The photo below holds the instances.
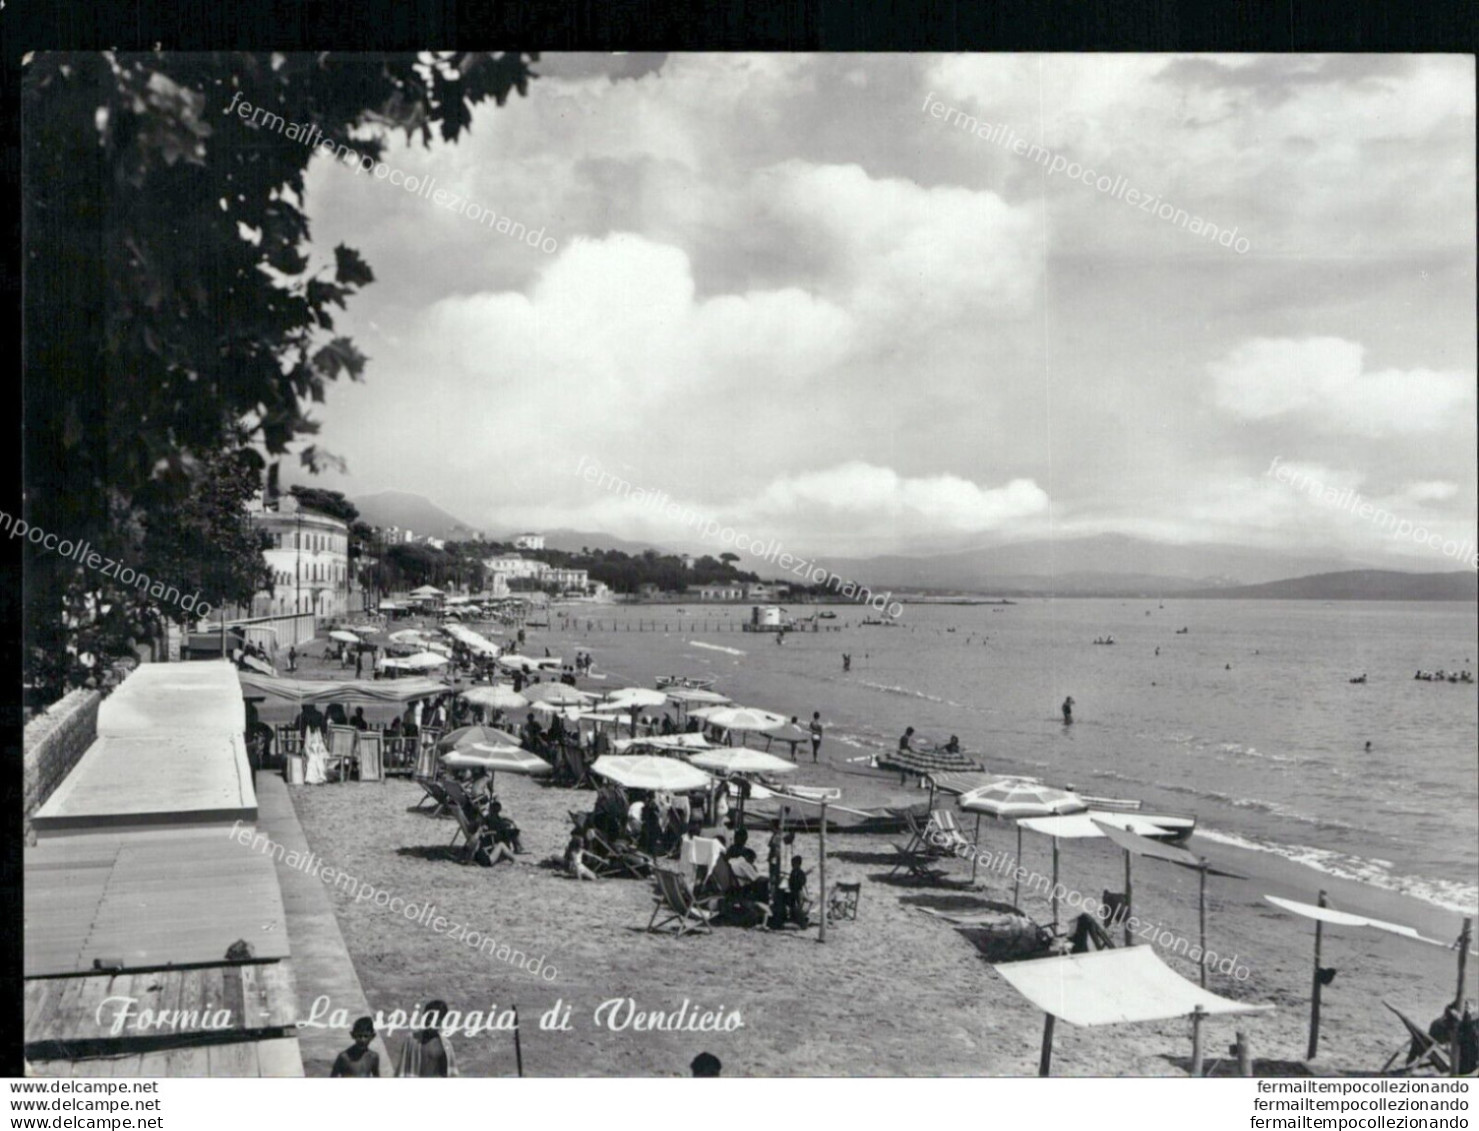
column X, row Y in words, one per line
column 42, row 995
column 154, row 1064
column 280, row 1058
column 235, row 995
column 73, row 1004
column 278, row 995
column 99, row 1066
column 187, row 1061
column 236, row 1059
column 192, row 995
column 128, row 1065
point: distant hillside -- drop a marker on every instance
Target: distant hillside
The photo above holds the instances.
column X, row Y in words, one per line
column 1360, row 585
column 415, row 513
column 1104, row 564
column 572, row 541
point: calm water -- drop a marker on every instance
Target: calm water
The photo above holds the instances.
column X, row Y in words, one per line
column 1269, row 754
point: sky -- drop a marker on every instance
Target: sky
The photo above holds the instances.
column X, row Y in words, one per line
column 794, row 296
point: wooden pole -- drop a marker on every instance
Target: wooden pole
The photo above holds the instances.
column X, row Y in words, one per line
column 822, row 872
column 1315, row 993
column 1045, row 1060
column 1458, row 994
column 1017, row 871
column 518, row 1047
column 1129, row 935
column 1245, row 1055
column 1054, row 892
column 1202, row 921
column 976, row 855
column 1196, row 1040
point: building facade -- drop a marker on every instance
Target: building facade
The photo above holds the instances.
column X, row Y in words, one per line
column 308, row 554
column 529, row 542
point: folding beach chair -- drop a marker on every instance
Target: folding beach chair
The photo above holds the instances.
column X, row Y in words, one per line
column 1422, row 1050
column 343, row 743
column 611, row 860
column 427, row 774
column 919, row 865
column 943, row 835
column 371, row 756
column 687, row 913
column 469, row 821
column 843, row 901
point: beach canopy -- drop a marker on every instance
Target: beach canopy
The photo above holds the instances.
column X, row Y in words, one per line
column 1346, row 919
column 741, row 760
column 1124, row 834
column 963, row 781
column 650, row 771
column 426, row 591
column 1109, row 987
column 349, row 692
column 488, row 738
column 344, row 636
column 258, row 665
column 1013, row 797
column 1078, row 826
column 743, row 718
column 499, row 696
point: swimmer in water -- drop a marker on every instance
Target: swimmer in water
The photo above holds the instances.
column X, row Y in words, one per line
column 1068, row 711
column 1368, row 747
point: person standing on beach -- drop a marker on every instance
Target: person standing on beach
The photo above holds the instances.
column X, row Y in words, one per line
column 426, row 1052
column 816, row 734
column 359, row 1059
column 1068, row 711
column 846, row 662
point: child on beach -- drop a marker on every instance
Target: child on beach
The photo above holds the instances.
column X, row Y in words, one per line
column 575, row 858
column 359, row 1059
column 797, row 897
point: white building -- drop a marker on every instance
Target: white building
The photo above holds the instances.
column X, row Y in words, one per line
column 530, row 541
column 515, row 566
column 308, row 554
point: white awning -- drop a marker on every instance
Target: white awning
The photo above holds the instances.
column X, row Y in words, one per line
column 1107, row 987
column 1074, row 826
column 1346, row 919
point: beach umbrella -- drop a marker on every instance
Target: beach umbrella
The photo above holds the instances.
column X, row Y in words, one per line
column 558, row 695
column 408, row 636
column 1012, row 798
column 745, row 719
column 701, row 695
column 705, row 712
column 418, row 661
column 488, row 737
column 258, row 665
column 791, row 733
column 629, row 697
column 680, row 743
column 495, row 759
column 343, row 636
column 499, row 697
column 649, row 771
column 741, row 760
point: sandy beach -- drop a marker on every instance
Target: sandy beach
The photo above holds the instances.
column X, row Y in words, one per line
column 895, row 993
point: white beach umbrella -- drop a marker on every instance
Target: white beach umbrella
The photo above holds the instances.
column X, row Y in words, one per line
column 624, row 699
column 344, row 637
column 741, row 760
column 498, row 696
column 647, row 771
column 745, row 718
column 1013, row 798
column 699, row 695
column 558, row 694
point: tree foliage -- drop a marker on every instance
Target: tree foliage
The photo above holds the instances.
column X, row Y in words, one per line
column 174, row 310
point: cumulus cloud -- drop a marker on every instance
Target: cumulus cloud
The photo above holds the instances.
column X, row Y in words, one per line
column 1323, row 382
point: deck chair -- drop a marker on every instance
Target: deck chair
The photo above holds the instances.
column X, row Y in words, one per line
column 371, row 756
column 919, row 865
column 943, row 835
column 469, row 821
column 609, row 860
column 343, row 743
column 687, row 913
column 842, row 903
column 427, row 774
column 288, row 740
column 1422, row 1050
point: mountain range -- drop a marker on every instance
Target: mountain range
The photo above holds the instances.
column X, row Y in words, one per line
column 1096, row 565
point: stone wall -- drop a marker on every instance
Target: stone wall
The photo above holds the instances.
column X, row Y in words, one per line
column 55, row 740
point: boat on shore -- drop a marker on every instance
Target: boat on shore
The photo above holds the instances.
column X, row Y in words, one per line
column 691, row 682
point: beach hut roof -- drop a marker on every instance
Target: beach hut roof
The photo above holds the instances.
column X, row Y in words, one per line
column 1108, row 987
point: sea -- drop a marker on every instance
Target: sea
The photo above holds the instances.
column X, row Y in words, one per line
column 1239, row 711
